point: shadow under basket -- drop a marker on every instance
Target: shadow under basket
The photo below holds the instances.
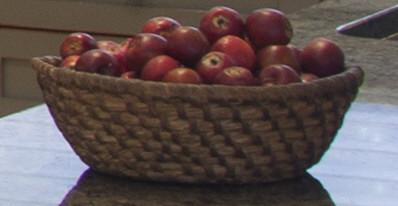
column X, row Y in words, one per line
column 196, row 133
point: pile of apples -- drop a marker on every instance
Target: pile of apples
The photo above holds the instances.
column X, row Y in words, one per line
column 224, row 49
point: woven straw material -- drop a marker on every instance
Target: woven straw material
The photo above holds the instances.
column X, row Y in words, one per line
column 196, row 133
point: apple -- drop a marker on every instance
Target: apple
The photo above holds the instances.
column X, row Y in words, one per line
column 140, row 48
column 296, row 50
column 183, row 75
column 76, row 44
column 156, row 68
column 98, row 61
column 322, row 57
column 278, row 54
column 220, row 21
column 117, row 50
column 268, row 27
column 235, row 76
column 161, row 25
column 108, row 45
column 278, row 74
column 238, row 49
column 308, row 77
column 69, row 61
column 213, row 63
column 120, row 56
column 128, row 75
column 187, row 44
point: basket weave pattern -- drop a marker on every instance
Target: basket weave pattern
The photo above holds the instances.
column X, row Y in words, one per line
column 196, row 133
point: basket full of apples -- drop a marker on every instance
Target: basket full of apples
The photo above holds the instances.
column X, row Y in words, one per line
column 228, row 101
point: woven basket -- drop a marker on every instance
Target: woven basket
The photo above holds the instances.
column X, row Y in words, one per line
column 196, row 133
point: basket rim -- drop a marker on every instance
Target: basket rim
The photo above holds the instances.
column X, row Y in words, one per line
column 351, row 78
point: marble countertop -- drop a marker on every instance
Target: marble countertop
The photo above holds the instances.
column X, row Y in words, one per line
column 376, row 57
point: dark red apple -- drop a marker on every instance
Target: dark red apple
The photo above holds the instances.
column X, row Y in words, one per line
column 161, row 25
column 183, row 75
column 98, row 61
column 187, row 44
column 322, row 57
column 220, row 21
column 128, row 75
column 296, row 50
column 268, row 27
column 213, row 63
column 117, row 51
column 120, row 56
column 156, row 68
column 235, row 76
column 70, row 61
column 108, row 45
column 308, row 77
column 278, row 54
column 140, row 48
column 278, row 74
column 76, row 44
column 238, row 49
column 246, row 38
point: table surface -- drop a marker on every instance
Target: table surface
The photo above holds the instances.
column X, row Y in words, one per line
column 38, row 168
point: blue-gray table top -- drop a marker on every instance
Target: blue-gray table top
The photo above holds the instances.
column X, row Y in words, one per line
column 39, row 168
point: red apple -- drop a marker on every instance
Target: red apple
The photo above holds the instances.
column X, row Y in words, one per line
column 187, row 44
column 220, row 21
column 120, row 56
column 183, row 75
column 128, row 75
column 98, row 61
column 322, row 57
column 235, row 76
column 238, row 49
column 278, row 54
column 308, row 77
column 156, row 68
column 140, row 48
column 268, row 27
column 70, row 61
column 117, row 51
column 278, row 74
column 213, row 63
column 108, row 45
column 297, row 51
column 161, row 25
column 76, row 44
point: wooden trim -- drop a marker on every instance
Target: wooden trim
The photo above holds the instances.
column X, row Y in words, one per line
column 1, row 78
column 56, row 30
column 88, row 16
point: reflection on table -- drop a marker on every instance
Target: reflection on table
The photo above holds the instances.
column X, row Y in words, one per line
column 102, row 190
